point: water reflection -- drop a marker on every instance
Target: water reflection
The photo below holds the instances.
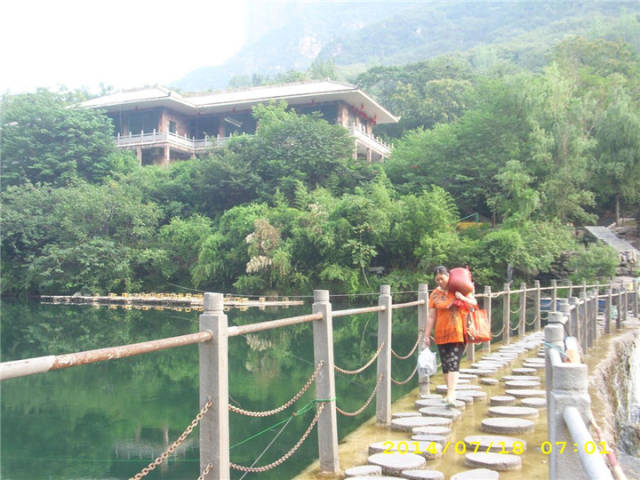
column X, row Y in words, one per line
column 109, row 420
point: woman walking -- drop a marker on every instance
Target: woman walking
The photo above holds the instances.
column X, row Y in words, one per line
column 447, row 311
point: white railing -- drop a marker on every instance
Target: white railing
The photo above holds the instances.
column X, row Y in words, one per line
column 370, row 140
column 155, row 137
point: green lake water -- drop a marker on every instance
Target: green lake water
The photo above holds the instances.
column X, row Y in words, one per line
column 111, row 419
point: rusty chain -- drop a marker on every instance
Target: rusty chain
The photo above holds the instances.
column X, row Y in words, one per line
column 404, row 357
column 267, row 413
column 361, row 409
column 205, row 472
column 397, row 382
column 172, row 448
column 287, row 455
column 364, row 367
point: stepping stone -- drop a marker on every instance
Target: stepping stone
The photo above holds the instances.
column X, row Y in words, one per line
column 423, row 437
column 409, row 423
column 463, row 381
column 523, row 371
column 422, row 474
column 534, row 402
column 429, row 450
column 377, row 477
column 444, row 388
column 465, row 397
column 481, row 372
column 467, row 376
column 488, row 381
column 395, row 463
column 493, row 443
column 404, row 414
column 526, row 392
column 521, row 384
column 437, row 403
column 519, row 412
column 502, row 400
column 509, row 378
column 363, row 470
column 432, row 430
column 507, row 425
column 489, row 365
column 476, row 394
column 535, row 366
column 441, row 412
column 494, row 461
column 476, row 474
column 427, row 396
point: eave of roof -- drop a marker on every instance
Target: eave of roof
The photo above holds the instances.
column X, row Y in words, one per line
column 293, row 94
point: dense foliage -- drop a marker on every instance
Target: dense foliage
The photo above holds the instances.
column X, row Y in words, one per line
column 288, row 210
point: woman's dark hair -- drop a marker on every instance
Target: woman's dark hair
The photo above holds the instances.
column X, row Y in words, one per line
column 440, row 270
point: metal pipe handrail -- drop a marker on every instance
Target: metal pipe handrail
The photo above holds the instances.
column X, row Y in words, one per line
column 594, row 465
column 283, row 322
column 415, row 303
column 31, row 366
column 356, row 311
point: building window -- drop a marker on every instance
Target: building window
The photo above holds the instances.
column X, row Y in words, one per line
column 172, row 126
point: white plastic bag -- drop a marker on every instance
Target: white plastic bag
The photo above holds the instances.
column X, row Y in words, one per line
column 427, row 363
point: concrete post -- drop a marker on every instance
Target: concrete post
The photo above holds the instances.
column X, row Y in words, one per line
column 553, row 335
column 574, row 326
column 506, row 315
column 383, row 397
column 423, row 312
column 586, row 330
column 214, row 385
column 487, row 307
column 636, row 307
column 618, row 301
column 625, row 302
column 569, row 389
column 538, row 310
column 608, row 310
column 570, row 294
column 325, row 383
column 554, row 295
column 523, row 310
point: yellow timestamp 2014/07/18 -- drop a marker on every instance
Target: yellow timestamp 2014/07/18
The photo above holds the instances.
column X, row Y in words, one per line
column 563, row 447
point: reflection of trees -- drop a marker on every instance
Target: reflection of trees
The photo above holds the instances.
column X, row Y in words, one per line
column 80, row 415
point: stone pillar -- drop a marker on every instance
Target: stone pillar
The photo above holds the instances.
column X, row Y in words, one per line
column 569, row 389
column 538, row 310
column 423, row 312
column 214, row 385
column 554, row 295
column 139, row 155
column 383, row 396
column 166, row 156
column 369, row 155
column 325, row 383
column 553, row 335
column 574, row 326
column 487, row 307
column 608, row 310
column 506, row 315
column 523, row 311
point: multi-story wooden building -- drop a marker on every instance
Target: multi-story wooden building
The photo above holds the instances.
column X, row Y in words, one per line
column 163, row 126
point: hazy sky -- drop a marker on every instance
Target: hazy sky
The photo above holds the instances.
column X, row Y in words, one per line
column 125, row 44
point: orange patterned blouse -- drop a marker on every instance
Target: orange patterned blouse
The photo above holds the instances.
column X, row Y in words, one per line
column 448, row 318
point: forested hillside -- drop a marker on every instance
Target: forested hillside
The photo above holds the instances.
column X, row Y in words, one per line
column 289, row 210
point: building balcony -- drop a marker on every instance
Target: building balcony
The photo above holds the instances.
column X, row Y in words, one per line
column 368, row 141
column 159, row 139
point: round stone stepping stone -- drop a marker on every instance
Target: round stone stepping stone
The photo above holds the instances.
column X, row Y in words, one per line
column 521, row 384
column 488, row 381
column 507, row 425
column 463, row 381
column 441, row 412
column 459, row 388
column 429, row 450
column 404, row 414
column 432, row 430
column 494, row 461
column 477, row 394
column 489, row 365
column 409, row 423
column 427, row 396
column 526, row 392
column 377, row 477
column 467, row 376
column 438, row 403
column 481, row 372
column 422, row 474
column 493, row 443
column 502, row 400
column 465, row 397
column 509, row 378
column 523, row 371
column 395, row 463
column 535, row 366
column 476, row 474
column 508, row 411
column 362, row 470
column 534, row 402
column 439, row 439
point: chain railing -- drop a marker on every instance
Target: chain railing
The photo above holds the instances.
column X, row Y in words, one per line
column 172, row 448
column 364, row 367
column 293, row 399
column 366, row 404
column 287, row 455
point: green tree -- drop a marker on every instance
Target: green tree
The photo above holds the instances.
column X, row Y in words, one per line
column 45, row 140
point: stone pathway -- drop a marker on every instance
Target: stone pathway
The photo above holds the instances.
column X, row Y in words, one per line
column 494, row 448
